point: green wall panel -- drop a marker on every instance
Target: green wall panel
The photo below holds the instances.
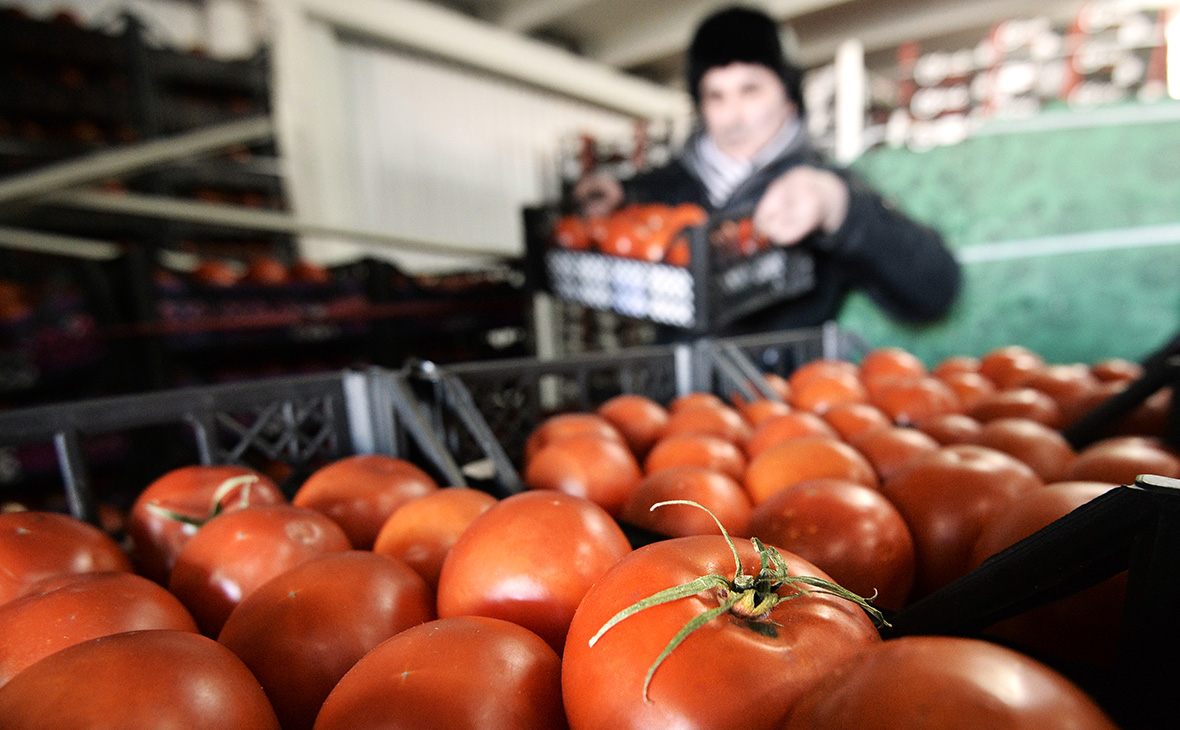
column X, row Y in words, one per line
column 1067, row 301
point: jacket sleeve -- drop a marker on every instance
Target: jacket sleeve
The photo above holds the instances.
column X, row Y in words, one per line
column 671, row 184
column 903, row 265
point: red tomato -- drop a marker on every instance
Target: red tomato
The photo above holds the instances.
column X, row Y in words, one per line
column 946, row 498
column 758, row 412
column 39, row 545
column 302, row 630
column 189, row 491
column 565, row 425
column 1116, row 368
column 732, row 672
column 969, row 388
column 1063, row 383
column 138, row 679
column 848, row 530
column 360, row 492
column 238, row 551
column 695, row 400
column 717, row 492
column 956, row 364
column 1042, row 448
column 421, row 532
column 601, row 470
column 266, row 271
column 1018, row 403
column 909, row 400
column 213, row 272
column 710, row 452
column 638, row 418
column 855, row 419
column 530, row 559
column 890, row 362
column 894, row 448
column 570, row 232
column 1082, row 627
column 943, row 683
column 951, row 429
column 806, row 457
column 1010, row 366
column 720, row 421
column 306, row 272
column 1119, row 460
column 461, row 672
column 786, row 427
column 88, row 606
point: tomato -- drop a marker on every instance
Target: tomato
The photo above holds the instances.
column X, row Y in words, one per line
column 806, row 457
column 640, row 419
column 855, row 419
column 951, row 429
column 894, row 448
column 157, row 539
column 86, row 607
column 530, row 559
column 710, row 452
column 238, row 551
column 565, row 425
column 1063, row 383
column 307, row 272
column 303, row 629
column 137, row 679
column 720, row 421
column 786, row 427
column 601, row 470
column 214, row 272
column 944, row 683
column 821, row 384
column 956, row 364
column 266, row 271
column 1018, row 403
column 946, row 498
column 758, row 412
column 890, row 362
column 1010, row 366
column 570, row 232
column 38, row 545
column 360, row 492
column 463, row 672
column 719, row 493
column 695, row 400
column 1082, row 627
column 1042, row 448
column 1118, row 460
column 1116, row 368
column 421, row 532
column 848, row 530
column 969, row 388
column 732, row 672
column 907, row 401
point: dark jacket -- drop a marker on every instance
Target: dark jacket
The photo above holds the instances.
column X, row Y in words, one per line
column 903, row 265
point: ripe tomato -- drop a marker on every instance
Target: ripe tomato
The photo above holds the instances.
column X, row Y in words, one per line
column 1116, row 368
column 1009, row 366
column 855, row 419
column 307, row 272
column 944, row 683
column 640, row 419
column 138, row 679
column 890, row 362
column 807, row 457
column 39, row 545
column 695, row 400
column 265, row 271
column 1063, row 383
column 847, row 530
column 360, row 492
column 821, row 384
column 214, row 272
column 821, row 369
column 969, row 388
column 754, row 668
column 786, row 427
column 710, row 452
column 1082, row 627
column 760, row 411
column 238, row 551
column 157, row 539
column 909, row 400
column 299, row 635
column 570, row 232
column 1042, row 448
column 601, row 470
column 720, row 421
column 721, row 494
column 946, row 498
column 565, row 425
column 88, row 606
column 894, row 448
column 530, row 559
column 951, row 429
column 421, row 532
column 955, row 364
column 462, row 672
column 1018, row 403
column 1118, row 460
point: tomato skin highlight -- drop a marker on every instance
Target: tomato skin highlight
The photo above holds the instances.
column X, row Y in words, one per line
column 530, row 559
column 39, row 545
column 469, row 672
column 726, row 674
column 137, row 681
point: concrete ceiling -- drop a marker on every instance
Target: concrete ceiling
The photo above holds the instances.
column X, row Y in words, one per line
column 647, row 37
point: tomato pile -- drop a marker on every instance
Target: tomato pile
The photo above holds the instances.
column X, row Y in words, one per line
column 376, row 597
column 655, row 233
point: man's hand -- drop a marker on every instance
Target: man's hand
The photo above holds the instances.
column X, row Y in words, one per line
column 597, row 195
column 802, row 200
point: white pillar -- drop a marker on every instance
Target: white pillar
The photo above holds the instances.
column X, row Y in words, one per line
column 850, row 100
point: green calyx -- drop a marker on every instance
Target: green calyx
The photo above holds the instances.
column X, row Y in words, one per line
column 749, row 597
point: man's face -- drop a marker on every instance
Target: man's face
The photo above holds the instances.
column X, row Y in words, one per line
column 743, row 105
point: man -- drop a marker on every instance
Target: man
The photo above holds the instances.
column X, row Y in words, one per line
column 752, row 150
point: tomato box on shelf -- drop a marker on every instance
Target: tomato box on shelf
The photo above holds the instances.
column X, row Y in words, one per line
column 286, row 426
column 686, row 272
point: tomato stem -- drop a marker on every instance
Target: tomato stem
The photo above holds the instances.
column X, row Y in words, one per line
column 751, row 597
column 245, row 481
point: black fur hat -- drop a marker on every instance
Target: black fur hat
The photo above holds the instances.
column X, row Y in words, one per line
column 742, row 35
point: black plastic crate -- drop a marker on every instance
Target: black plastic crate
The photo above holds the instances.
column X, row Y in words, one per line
column 718, row 286
column 288, row 425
